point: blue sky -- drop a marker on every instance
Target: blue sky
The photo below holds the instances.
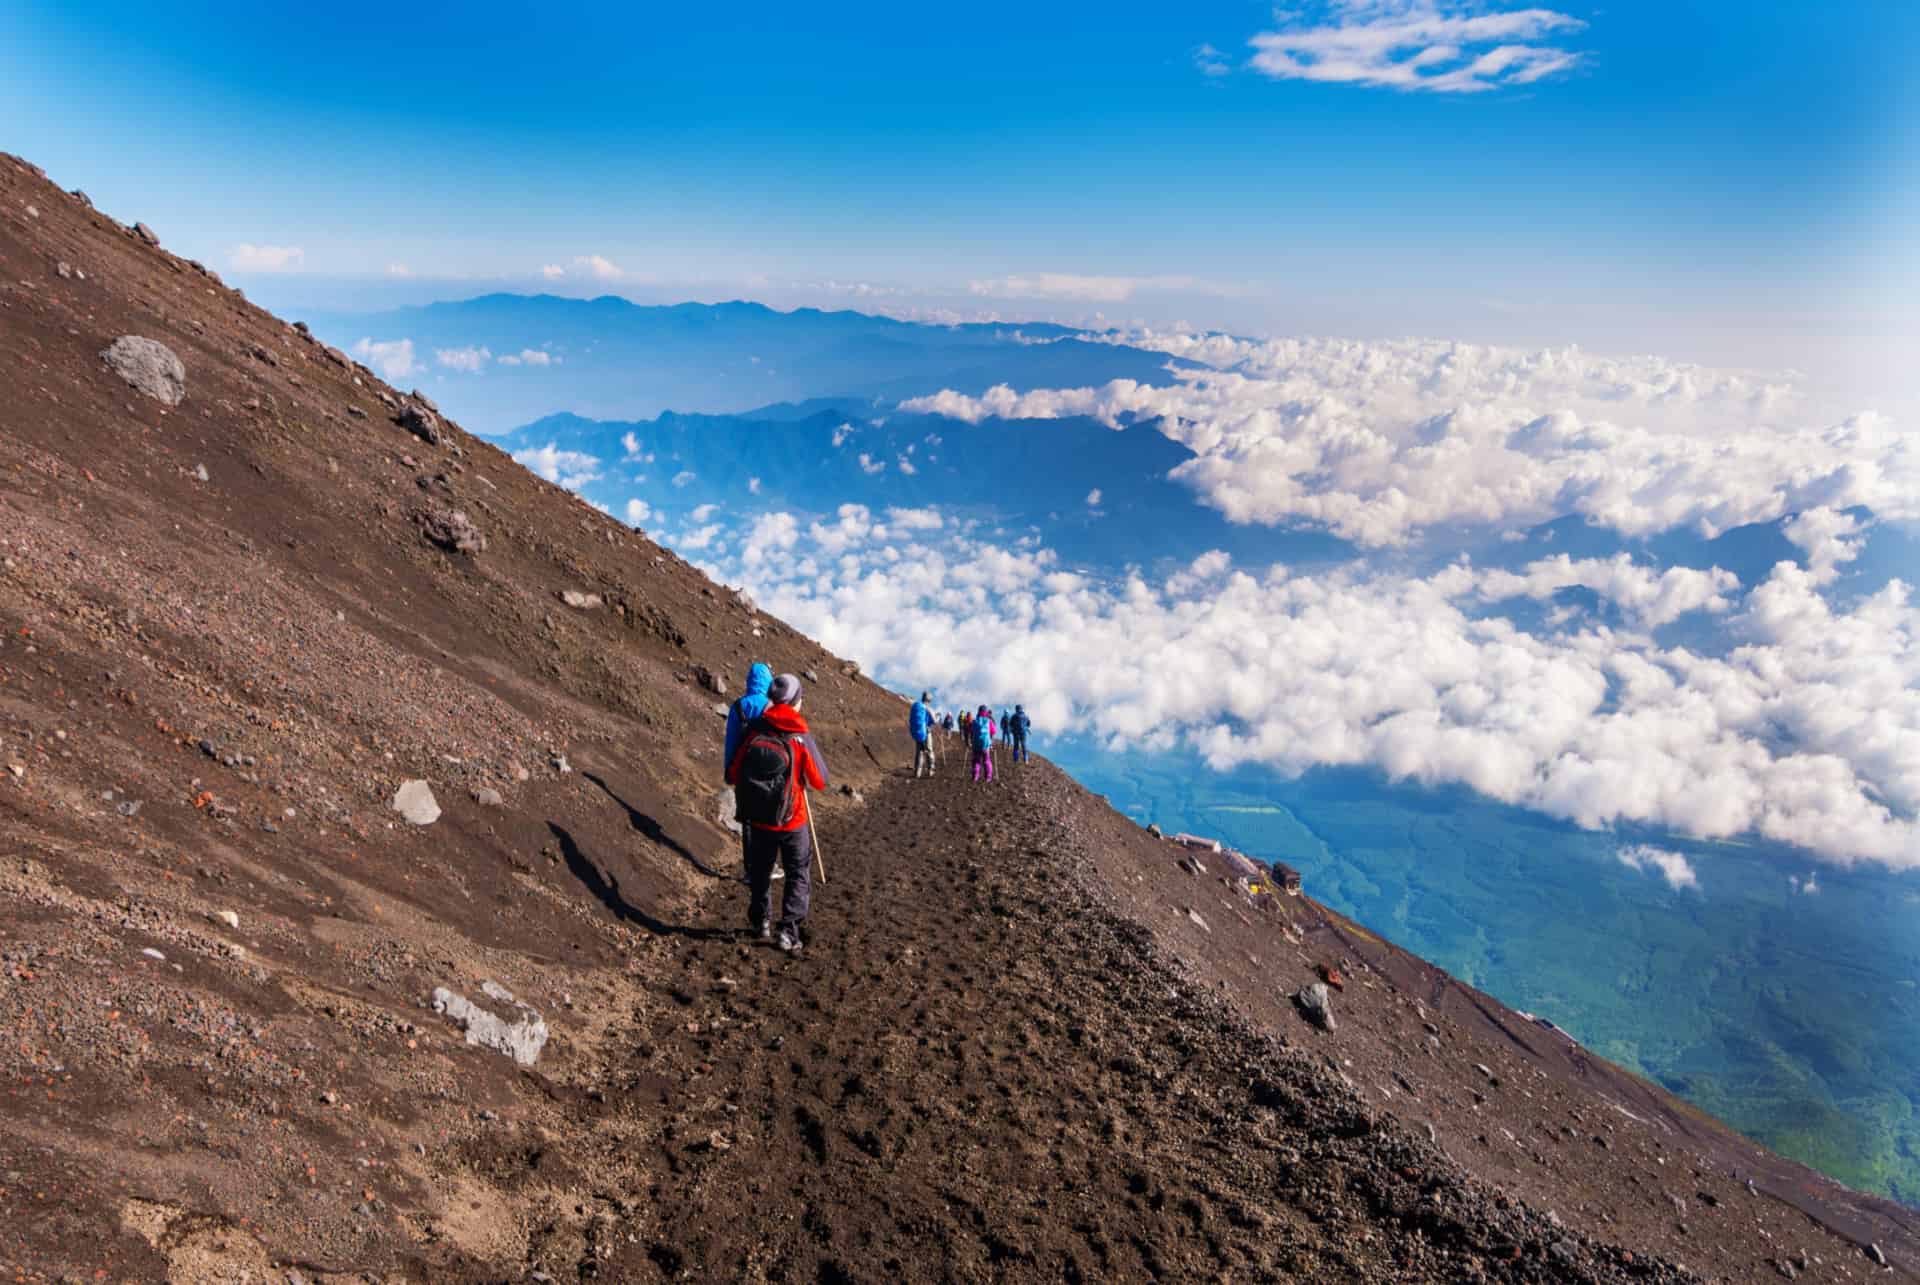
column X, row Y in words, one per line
column 1731, row 182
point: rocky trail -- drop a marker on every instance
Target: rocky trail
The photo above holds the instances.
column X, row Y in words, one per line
column 978, row 1071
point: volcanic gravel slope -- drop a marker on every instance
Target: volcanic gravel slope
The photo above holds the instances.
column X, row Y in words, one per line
column 1027, row 1042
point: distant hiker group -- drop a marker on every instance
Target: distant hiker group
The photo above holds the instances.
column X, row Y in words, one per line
column 978, row 732
column 771, row 763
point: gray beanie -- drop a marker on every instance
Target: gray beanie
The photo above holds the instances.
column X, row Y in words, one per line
column 785, row 690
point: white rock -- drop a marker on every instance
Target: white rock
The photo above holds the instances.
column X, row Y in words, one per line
column 414, row 801
column 521, row 1039
column 583, row 601
column 228, row 917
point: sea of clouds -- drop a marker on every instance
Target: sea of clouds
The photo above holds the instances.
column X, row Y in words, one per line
column 1803, row 726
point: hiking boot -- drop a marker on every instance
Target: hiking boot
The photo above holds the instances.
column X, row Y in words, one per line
column 790, row 942
column 764, row 930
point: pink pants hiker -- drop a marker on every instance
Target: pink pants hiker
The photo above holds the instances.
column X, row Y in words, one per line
column 983, row 762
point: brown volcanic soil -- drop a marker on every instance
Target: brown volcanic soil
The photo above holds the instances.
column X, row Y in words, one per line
column 1011, row 1052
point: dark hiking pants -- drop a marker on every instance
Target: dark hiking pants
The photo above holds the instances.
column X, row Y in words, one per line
column 792, row 851
column 1019, row 748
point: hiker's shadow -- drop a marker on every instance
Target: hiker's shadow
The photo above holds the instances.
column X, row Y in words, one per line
column 652, row 829
column 606, row 890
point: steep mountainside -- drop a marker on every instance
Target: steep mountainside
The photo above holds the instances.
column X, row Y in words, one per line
column 1028, row 1043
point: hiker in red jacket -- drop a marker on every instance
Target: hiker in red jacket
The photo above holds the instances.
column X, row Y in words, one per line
column 776, row 765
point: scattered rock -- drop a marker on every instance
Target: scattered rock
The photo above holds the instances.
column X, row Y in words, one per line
column 560, row 764
column 1194, row 915
column 1878, row 1257
column 200, row 473
column 146, row 234
column 1316, row 1005
column 711, row 681
column 452, row 530
column 149, row 365
column 260, row 352
column 414, row 801
column 1156, row 831
column 720, row 708
column 151, row 953
column 724, row 802
column 582, row 601
column 488, row 797
column 521, row 1039
column 421, row 422
column 64, row 268
column 227, row 917
column 810, row 675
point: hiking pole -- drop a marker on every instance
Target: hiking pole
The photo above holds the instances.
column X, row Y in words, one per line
column 814, row 835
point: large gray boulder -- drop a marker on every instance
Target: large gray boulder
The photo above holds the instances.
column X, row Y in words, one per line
column 149, row 365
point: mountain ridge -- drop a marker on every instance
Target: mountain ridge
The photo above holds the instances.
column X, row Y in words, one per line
column 234, row 626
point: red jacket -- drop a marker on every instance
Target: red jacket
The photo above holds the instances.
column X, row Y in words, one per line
column 807, row 763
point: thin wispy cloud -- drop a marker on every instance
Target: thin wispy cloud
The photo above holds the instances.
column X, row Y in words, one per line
column 1211, row 61
column 267, row 258
column 1426, row 46
column 599, row 267
column 471, row 360
column 1086, row 288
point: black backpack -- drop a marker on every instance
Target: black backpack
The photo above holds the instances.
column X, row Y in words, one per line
column 763, row 789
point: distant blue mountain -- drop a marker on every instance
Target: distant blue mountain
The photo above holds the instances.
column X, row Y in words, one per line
column 611, row 359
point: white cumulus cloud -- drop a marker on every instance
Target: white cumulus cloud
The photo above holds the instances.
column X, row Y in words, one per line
column 1674, row 868
column 393, row 358
column 552, row 271
column 571, row 469
column 1378, row 442
column 638, row 511
column 1807, row 732
column 471, row 360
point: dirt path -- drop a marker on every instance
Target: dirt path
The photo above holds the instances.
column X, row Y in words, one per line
column 975, row 1073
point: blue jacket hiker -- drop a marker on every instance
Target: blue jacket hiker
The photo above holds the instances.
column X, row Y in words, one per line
column 753, row 704
column 920, row 725
column 1018, row 725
